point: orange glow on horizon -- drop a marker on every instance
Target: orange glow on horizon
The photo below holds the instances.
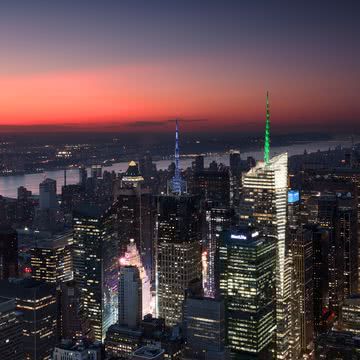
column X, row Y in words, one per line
column 124, row 95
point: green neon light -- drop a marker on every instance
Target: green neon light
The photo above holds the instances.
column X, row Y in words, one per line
column 267, row 132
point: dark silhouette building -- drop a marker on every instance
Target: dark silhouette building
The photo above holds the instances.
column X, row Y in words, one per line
column 8, row 253
column 37, row 303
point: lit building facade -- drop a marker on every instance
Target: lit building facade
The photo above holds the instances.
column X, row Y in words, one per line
column 217, row 220
column 11, row 342
column 337, row 345
column 132, row 258
column 37, row 303
column 350, row 315
column 247, row 283
column 264, row 205
column 135, row 211
column 96, row 264
column 51, row 259
column 121, row 341
column 178, row 237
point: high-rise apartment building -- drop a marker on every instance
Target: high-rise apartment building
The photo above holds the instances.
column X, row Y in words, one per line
column 247, row 283
column 96, row 259
column 37, row 303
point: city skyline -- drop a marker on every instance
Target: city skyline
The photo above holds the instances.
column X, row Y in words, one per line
column 121, row 66
column 179, row 180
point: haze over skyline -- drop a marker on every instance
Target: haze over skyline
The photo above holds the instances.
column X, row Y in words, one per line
column 133, row 65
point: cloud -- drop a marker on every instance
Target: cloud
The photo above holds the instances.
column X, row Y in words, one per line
column 147, row 123
column 162, row 122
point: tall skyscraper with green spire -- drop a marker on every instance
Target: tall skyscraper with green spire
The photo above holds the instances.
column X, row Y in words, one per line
column 264, row 206
column 267, row 132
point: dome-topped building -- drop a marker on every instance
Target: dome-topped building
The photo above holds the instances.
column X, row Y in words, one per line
column 132, row 175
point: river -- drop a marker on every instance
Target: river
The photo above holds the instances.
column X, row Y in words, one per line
column 9, row 184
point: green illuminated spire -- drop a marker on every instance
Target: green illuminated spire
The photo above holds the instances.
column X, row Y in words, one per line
column 267, row 132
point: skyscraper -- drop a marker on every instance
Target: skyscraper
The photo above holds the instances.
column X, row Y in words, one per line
column 337, row 345
column 11, row 341
column 130, row 297
column 132, row 175
column 235, row 177
column 178, row 239
column 38, row 305
column 264, row 205
column 247, row 283
column 132, row 258
column 350, row 315
column 178, row 235
column 177, row 185
column 135, row 211
column 48, row 198
column 301, row 243
column 204, row 325
column 320, row 275
column 217, row 220
column 213, row 186
column 51, row 259
column 96, row 259
column 73, row 326
column 8, row 253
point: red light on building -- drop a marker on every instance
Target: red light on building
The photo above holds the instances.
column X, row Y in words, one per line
column 27, row 270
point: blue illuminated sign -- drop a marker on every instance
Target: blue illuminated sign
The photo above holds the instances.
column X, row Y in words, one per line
column 293, row 196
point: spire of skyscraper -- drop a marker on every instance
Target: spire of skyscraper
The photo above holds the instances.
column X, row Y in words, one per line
column 267, row 132
column 177, row 152
column 177, row 183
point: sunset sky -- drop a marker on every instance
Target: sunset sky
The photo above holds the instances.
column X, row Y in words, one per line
column 126, row 65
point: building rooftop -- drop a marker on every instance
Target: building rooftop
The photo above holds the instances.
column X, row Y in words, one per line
column 23, row 288
column 89, row 211
column 132, row 174
column 6, row 304
column 77, row 345
column 54, row 241
column 122, row 329
column 148, row 352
